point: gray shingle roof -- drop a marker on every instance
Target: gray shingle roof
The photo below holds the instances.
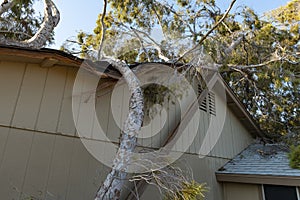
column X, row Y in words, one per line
column 258, row 159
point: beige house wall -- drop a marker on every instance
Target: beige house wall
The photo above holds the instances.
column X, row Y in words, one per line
column 46, row 166
column 236, row 191
column 41, row 155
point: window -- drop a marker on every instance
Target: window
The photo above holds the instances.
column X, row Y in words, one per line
column 277, row 192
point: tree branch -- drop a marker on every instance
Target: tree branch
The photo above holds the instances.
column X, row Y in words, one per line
column 6, row 5
column 103, row 30
column 142, row 44
column 178, row 15
column 51, row 20
column 113, row 184
column 240, row 67
column 234, row 44
column 157, row 46
column 208, row 33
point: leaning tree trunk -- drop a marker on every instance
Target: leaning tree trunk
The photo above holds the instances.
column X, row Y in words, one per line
column 112, row 186
column 39, row 40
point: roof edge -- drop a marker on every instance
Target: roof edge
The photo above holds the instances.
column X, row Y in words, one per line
column 49, row 54
column 242, row 108
column 258, row 179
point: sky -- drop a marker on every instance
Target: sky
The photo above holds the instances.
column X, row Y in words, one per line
column 82, row 15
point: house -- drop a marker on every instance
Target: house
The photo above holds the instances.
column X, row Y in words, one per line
column 260, row 172
column 45, row 104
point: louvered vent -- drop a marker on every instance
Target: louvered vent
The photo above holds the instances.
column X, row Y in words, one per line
column 212, row 103
column 203, row 104
column 209, row 102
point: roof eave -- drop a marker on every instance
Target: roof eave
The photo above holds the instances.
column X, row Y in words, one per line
column 50, row 57
column 244, row 116
column 259, row 179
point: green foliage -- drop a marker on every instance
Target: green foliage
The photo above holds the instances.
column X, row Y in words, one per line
column 191, row 18
column 189, row 191
column 270, row 91
column 263, row 69
column 21, row 22
column 294, row 157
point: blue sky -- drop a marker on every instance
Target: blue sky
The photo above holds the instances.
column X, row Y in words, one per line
column 81, row 15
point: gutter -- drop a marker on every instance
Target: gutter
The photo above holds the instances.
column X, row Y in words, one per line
column 259, row 179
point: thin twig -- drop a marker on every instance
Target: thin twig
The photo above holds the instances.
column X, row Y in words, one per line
column 208, row 33
column 142, row 43
column 158, row 47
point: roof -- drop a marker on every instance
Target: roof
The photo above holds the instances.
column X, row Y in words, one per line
column 50, row 57
column 42, row 56
column 262, row 164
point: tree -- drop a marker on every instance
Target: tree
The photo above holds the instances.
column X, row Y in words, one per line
column 20, row 23
column 259, row 54
column 111, row 188
column 267, row 64
column 294, row 157
column 14, row 23
column 258, row 57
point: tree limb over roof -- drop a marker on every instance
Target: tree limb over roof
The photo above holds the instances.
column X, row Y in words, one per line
column 51, row 19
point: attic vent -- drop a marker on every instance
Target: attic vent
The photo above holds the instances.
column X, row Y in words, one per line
column 212, row 103
column 209, row 102
column 203, row 104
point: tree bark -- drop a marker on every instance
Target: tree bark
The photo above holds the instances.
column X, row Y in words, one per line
column 103, row 30
column 37, row 41
column 112, row 186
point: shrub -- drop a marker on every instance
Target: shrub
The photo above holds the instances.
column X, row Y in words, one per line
column 294, row 157
column 189, row 191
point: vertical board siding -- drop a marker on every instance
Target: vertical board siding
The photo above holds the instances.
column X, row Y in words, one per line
column 218, row 121
column 58, row 180
column 96, row 173
column 241, row 137
column 4, row 133
column 101, row 119
column 52, row 98
column 85, row 110
column 28, row 104
column 52, row 166
column 66, row 123
column 48, row 166
column 11, row 77
column 226, row 140
column 15, row 162
column 78, row 172
column 114, row 119
column 39, row 161
column 233, row 138
column 236, row 191
column 234, row 131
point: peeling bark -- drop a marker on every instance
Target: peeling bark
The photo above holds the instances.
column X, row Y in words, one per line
column 37, row 41
column 112, row 186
